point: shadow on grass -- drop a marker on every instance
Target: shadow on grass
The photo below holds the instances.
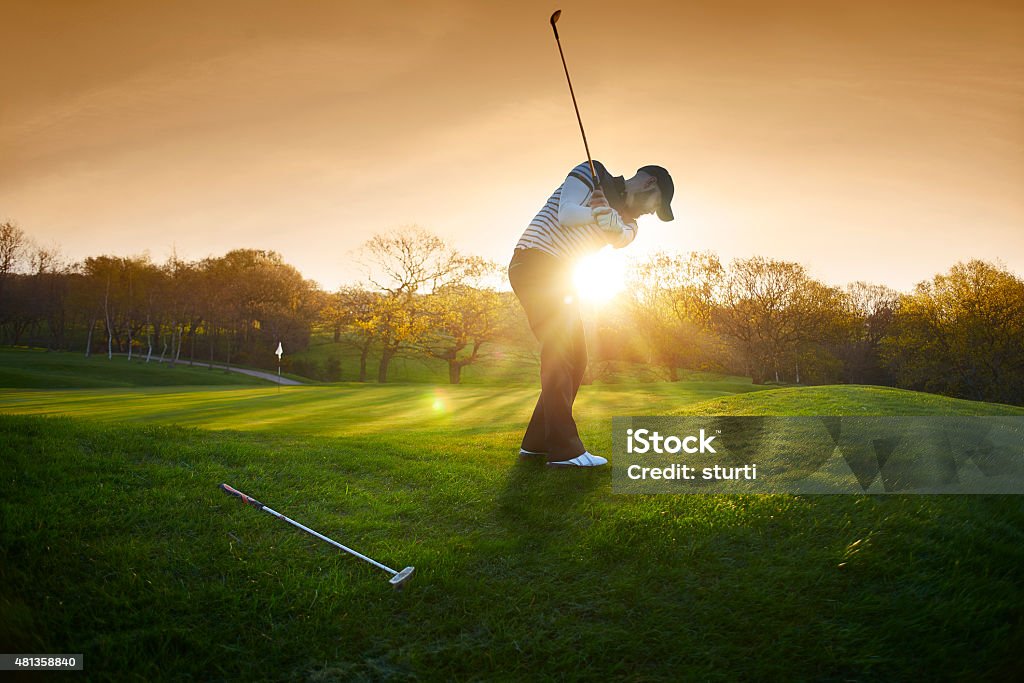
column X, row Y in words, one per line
column 539, row 499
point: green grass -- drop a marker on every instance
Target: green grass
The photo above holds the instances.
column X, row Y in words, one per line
column 844, row 400
column 349, row 409
column 115, row 542
column 36, row 368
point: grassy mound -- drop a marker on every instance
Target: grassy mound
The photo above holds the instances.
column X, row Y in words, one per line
column 844, row 400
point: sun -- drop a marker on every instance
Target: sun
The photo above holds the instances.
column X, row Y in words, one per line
column 601, row 276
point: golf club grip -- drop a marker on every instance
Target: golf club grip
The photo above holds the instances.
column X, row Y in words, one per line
column 245, row 499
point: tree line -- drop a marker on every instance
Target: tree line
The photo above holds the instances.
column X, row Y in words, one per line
column 227, row 309
column 960, row 333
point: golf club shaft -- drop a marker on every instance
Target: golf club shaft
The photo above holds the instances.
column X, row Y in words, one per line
column 260, row 506
column 579, row 119
column 329, row 540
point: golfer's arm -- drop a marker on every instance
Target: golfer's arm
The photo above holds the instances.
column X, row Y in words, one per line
column 572, row 205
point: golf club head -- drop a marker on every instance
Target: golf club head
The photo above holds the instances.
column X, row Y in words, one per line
column 401, row 577
column 554, row 17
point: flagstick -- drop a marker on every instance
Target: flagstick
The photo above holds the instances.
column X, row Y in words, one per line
column 279, row 353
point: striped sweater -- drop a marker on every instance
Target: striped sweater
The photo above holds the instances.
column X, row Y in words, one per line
column 565, row 227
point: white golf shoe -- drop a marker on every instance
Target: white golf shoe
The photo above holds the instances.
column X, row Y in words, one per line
column 586, row 459
column 523, row 453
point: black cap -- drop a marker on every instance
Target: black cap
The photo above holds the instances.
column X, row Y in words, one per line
column 667, row 190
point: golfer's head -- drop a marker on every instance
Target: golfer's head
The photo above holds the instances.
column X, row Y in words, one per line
column 650, row 191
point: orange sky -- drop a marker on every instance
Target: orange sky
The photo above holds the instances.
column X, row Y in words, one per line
column 868, row 140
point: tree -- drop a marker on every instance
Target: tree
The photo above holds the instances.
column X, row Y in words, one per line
column 462, row 316
column 50, row 276
column 13, row 247
column 351, row 314
column 402, row 266
column 871, row 310
column 776, row 316
column 14, row 244
column 253, row 300
column 178, row 313
column 671, row 299
column 819, row 320
column 962, row 334
column 104, row 278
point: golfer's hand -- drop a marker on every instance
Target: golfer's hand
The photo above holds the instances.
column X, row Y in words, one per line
column 597, row 199
column 608, row 219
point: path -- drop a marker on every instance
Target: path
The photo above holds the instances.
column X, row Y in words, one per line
column 269, row 376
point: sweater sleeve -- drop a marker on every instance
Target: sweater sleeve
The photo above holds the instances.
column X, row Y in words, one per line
column 573, row 205
column 626, row 237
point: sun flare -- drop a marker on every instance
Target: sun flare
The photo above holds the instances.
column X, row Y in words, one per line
column 601, row 276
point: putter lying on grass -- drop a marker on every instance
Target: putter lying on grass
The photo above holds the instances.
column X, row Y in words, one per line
column 397, row 578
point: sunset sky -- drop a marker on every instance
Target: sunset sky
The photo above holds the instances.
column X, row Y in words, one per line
column 868, row 140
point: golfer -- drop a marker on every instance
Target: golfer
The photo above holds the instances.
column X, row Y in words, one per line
column 580, row 218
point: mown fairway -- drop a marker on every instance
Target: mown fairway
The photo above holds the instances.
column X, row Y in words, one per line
column 115, row 542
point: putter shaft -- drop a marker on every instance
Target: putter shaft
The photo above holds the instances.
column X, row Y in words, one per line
column 348, row 550
column 397, row 578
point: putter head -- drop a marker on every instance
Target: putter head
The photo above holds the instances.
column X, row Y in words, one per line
column 401, row 577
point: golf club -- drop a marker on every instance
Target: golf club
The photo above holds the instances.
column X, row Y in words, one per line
column 593, row 173
column 397, row 578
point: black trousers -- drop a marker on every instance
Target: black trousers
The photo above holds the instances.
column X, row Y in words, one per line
column 544, row 287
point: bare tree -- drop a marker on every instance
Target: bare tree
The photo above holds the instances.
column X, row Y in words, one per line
column 671, row 298
column 409, row 260
column 402, row 266
column 872, row 311
column 13, row 245
column 771, row 312
column 50, row 275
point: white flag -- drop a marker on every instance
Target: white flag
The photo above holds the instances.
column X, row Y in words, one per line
column 280, row 350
